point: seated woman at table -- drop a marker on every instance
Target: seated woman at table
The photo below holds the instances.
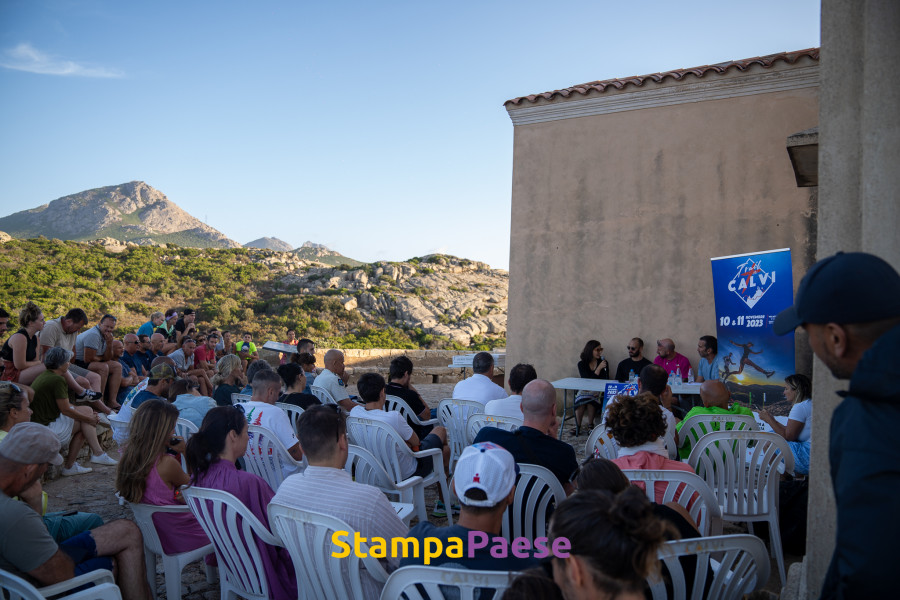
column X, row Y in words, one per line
column 150, row 473
column 591, row 366
column 797, row 432
column 639, row 428
column 211, row 454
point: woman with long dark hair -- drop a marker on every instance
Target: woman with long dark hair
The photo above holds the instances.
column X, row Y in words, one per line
column 591, row 366
column 211, row 454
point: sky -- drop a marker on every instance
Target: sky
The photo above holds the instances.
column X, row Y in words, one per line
column 375, row 128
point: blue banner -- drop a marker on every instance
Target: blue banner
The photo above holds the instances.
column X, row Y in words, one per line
column 750, row 290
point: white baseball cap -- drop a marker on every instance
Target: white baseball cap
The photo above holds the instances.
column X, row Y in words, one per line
column 487, row 467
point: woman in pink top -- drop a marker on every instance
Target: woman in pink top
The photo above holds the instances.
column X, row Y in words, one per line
column 639, row 428
column 150, row 473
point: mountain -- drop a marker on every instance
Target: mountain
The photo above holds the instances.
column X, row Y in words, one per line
column 130, row 212
column 321, row 253
column 268, row 243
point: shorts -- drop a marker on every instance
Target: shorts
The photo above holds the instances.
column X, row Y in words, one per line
column 10, row 372
column 83, row 551
column 63, row 427
column 78, row 371
column 426, row 464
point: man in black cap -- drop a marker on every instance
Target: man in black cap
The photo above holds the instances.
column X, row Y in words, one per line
column 26, row 547
column 849, row 304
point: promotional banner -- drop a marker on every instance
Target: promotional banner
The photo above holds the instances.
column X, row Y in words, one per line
column 750, row 290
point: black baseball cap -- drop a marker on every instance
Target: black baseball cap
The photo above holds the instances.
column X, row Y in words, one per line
column 849, row 287
column 188, row 311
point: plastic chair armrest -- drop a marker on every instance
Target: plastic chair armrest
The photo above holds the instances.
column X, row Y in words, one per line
column 408, row 482
column 98, row 576
column 375, row 569
column 435, row 421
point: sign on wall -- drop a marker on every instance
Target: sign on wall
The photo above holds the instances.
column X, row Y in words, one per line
column 750, row 290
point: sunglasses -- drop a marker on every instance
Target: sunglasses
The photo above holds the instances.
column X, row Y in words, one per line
column 631, row 347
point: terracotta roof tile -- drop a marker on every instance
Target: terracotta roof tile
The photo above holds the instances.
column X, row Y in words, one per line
column 678, row 74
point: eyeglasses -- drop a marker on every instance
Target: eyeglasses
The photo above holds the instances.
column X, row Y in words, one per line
column 631, row 347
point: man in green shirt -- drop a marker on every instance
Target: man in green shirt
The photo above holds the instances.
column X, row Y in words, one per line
column 716, row 401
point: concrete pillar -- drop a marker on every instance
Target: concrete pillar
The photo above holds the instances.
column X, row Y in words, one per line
column 859, row 201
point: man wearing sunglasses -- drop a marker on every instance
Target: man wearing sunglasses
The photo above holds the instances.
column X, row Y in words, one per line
column 635, row 361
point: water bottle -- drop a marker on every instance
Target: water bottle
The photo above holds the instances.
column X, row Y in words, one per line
column 690, row 376
column 631, row 376
column 671, row 381
column 678, row 378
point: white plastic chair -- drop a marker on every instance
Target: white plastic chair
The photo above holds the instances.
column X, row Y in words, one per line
column 742, row 469
column 699, row 425
column 742, row 567
column 185, row 429
column 267, row 457
column 173, row 564
column 601, row 439
column 430, row 583
column 292, row 411
column 385, row 444
column 105, row 588
column 233, row 530
column 399, row 404
column 322, row 394
column 454, row 415
column 693, row 494
column 120, row 429
column 365, row 468
column 238, row 398
column 308, row 537
column 538, row 491
column 479, row 420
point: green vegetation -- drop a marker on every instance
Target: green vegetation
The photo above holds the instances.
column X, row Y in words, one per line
column 228, row 289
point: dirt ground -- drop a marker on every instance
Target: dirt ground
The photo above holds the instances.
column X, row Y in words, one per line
column 94, row 492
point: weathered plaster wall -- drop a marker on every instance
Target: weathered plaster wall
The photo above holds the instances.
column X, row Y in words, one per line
column 615, row 218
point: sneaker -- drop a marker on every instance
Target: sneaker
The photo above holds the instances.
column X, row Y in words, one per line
column 104, row 459
column 90, row 395
column 75, row 469
column 440, row 511
column 104, row 420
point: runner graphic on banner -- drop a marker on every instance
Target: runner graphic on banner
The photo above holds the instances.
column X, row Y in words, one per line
column 750, row 289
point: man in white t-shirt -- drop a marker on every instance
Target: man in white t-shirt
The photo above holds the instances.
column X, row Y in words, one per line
column 332, row 379
column 261, row 411
column 479, row 386
column 520, row 376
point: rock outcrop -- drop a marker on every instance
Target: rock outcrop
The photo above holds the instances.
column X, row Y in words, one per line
column 270, row 243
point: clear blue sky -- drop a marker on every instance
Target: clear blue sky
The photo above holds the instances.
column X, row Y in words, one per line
column 376, row 128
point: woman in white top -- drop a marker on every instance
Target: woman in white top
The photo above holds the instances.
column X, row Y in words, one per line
column 797, row 432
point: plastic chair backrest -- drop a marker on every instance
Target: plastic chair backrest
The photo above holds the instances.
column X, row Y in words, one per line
column 743, row 567
column 741, row 468
column 267, row 457
column 697, row 426
column 292, row 411
column 454, row 415
column 365, row 468
column 601, row 439
column 120, row 429
column 538, row 492
column 687, row 489
column 238, row 398
column 308, row 537
column 14, row 587
column 424, row 583
column 233, row 530
column 383, row 443
column 400, row 405
column 185, row 429
column 479, row 420
column 322, row 394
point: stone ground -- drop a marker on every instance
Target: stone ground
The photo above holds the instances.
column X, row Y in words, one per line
column 94, row 492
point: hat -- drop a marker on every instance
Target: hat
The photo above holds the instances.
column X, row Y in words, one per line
column 162, row 371
column 852, row 287
column 487, row 467
column 31, row 444
column 188, row 311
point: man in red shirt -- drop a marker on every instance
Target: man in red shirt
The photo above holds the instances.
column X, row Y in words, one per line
column 205, row 353
column 670, row 360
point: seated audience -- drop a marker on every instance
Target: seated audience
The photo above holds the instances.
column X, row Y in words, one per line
column 261, row 410
column 132, row 369
column 211, row 455
column 323, row 436
column 185, row 324
column 145, row 352
column 205, row 353
column 333, row 379
column 184, row 364
column 638, row 426
column 150, row 473
column 21, row 353
column 252, row 370
column 167, row 329
column 161, row 377
column 716, row 401
column 535, row 441
column 480, row 386
column 520, row 376
column 591, row 366
column 399, row 385
column 94, row 352
column 14, row 409
column 294, row 383
column 63, row 331
column 635, row 361
column 798, row 431
column 27, row 548
column 73, row 425
column 653, row 379
column 120, row 434
column 229, row 379
column 246, row 349
column 156, row 319
column 191, row 405
column 614, row 541
column 307, row 362
column 225, row 345
column 484, row 480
